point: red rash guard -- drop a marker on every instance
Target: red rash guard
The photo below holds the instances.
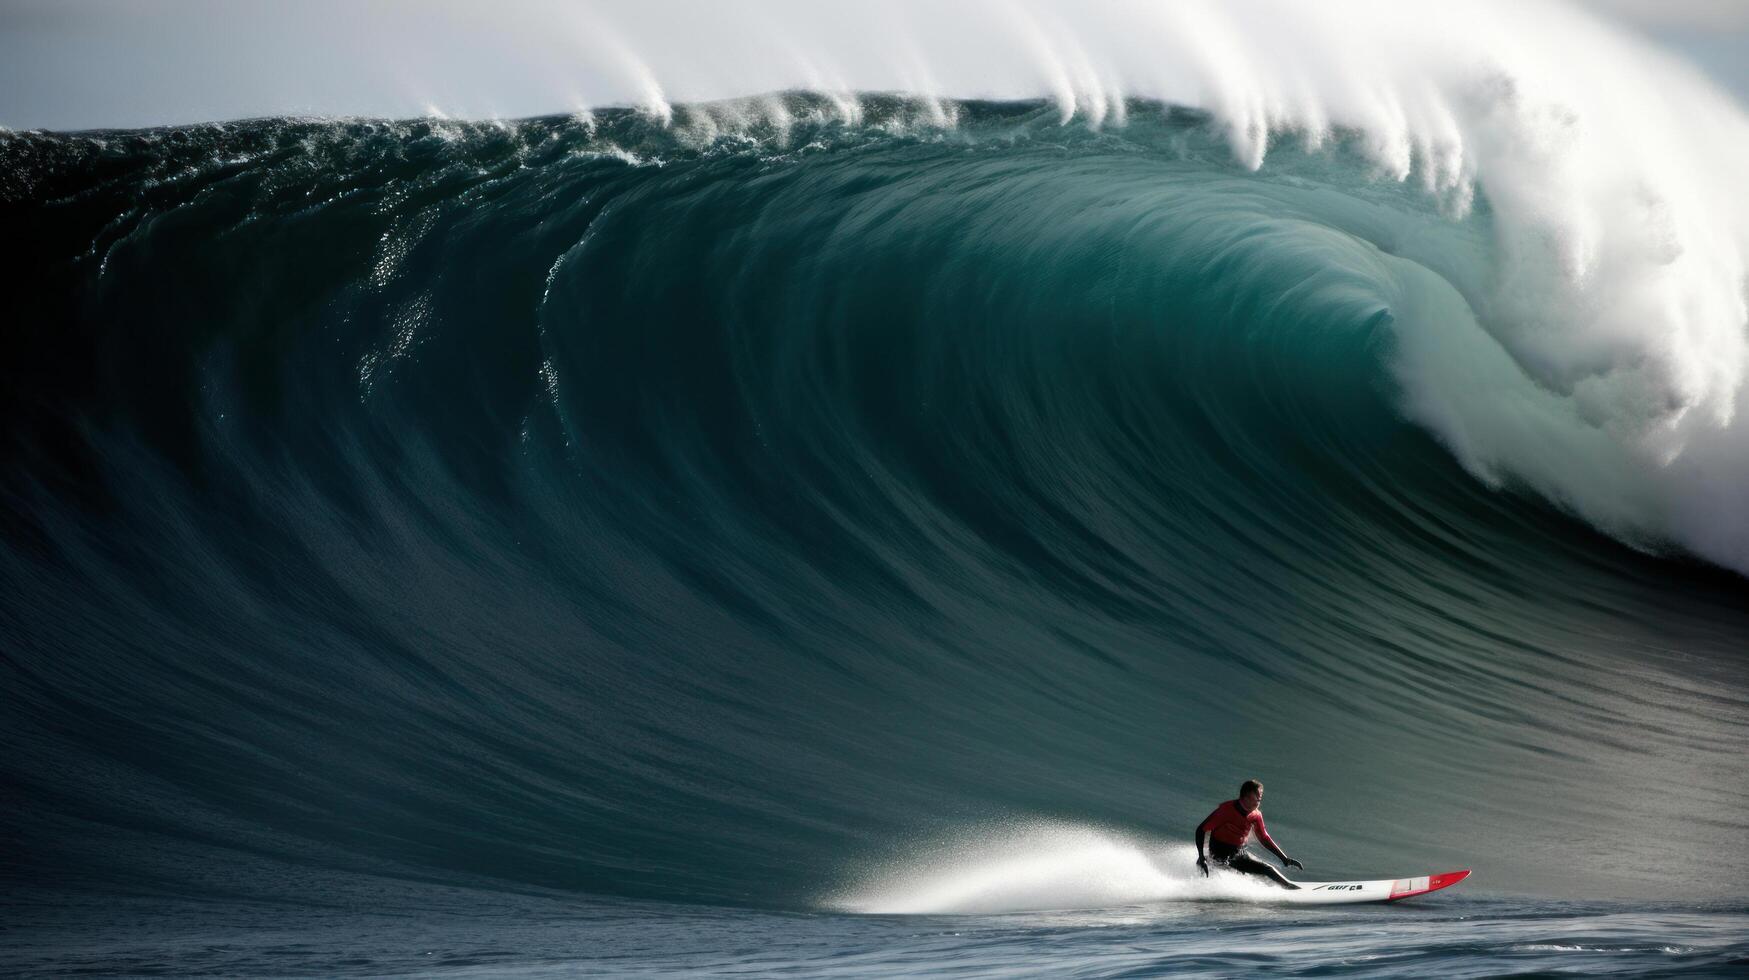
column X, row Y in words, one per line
column 1232, row 826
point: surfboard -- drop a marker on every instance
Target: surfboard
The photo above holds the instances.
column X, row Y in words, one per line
column 1383, row 890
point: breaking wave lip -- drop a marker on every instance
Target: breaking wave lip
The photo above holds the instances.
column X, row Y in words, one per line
column 1604, row 360
column 1610, row 366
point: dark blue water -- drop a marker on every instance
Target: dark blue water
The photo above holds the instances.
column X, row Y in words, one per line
column 449, row 934
column 724, row 530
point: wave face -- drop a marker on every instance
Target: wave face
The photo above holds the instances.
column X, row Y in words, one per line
column 769, row 503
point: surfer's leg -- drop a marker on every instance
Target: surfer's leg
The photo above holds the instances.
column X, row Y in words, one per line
column 1251, row 866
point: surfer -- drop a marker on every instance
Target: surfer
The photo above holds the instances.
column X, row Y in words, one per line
column 1230, row 827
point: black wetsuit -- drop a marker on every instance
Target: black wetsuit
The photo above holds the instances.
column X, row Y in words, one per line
column 1238, row 860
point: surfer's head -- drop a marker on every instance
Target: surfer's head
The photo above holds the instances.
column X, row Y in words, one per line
column 1250, row 795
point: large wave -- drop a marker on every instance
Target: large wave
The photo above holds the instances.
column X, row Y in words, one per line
column 713, row 500
column 1609, row 369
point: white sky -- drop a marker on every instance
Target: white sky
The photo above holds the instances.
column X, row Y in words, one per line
column 78, row 64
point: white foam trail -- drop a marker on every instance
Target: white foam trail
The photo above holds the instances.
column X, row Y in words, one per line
column 1042, row 867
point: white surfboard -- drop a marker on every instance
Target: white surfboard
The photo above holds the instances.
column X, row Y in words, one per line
column 1383, row 890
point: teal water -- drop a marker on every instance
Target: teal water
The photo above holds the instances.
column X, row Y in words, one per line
column 782, row 519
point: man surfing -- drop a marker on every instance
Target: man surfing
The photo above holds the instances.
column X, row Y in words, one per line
column 1228, row 830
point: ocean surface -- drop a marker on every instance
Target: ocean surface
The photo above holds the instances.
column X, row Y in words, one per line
column 795, row 537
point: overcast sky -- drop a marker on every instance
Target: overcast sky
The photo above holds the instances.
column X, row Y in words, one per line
column 79, row 64
column 1713, row 34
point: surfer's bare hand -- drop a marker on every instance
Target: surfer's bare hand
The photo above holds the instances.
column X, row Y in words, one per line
column 1290, row 862
column 1203, row 863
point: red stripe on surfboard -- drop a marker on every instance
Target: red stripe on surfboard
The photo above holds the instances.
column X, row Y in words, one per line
column 1434, row 883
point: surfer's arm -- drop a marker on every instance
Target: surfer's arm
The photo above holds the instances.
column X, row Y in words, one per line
column 1269, row 842
column 1201, row 829
column 1286, row 861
